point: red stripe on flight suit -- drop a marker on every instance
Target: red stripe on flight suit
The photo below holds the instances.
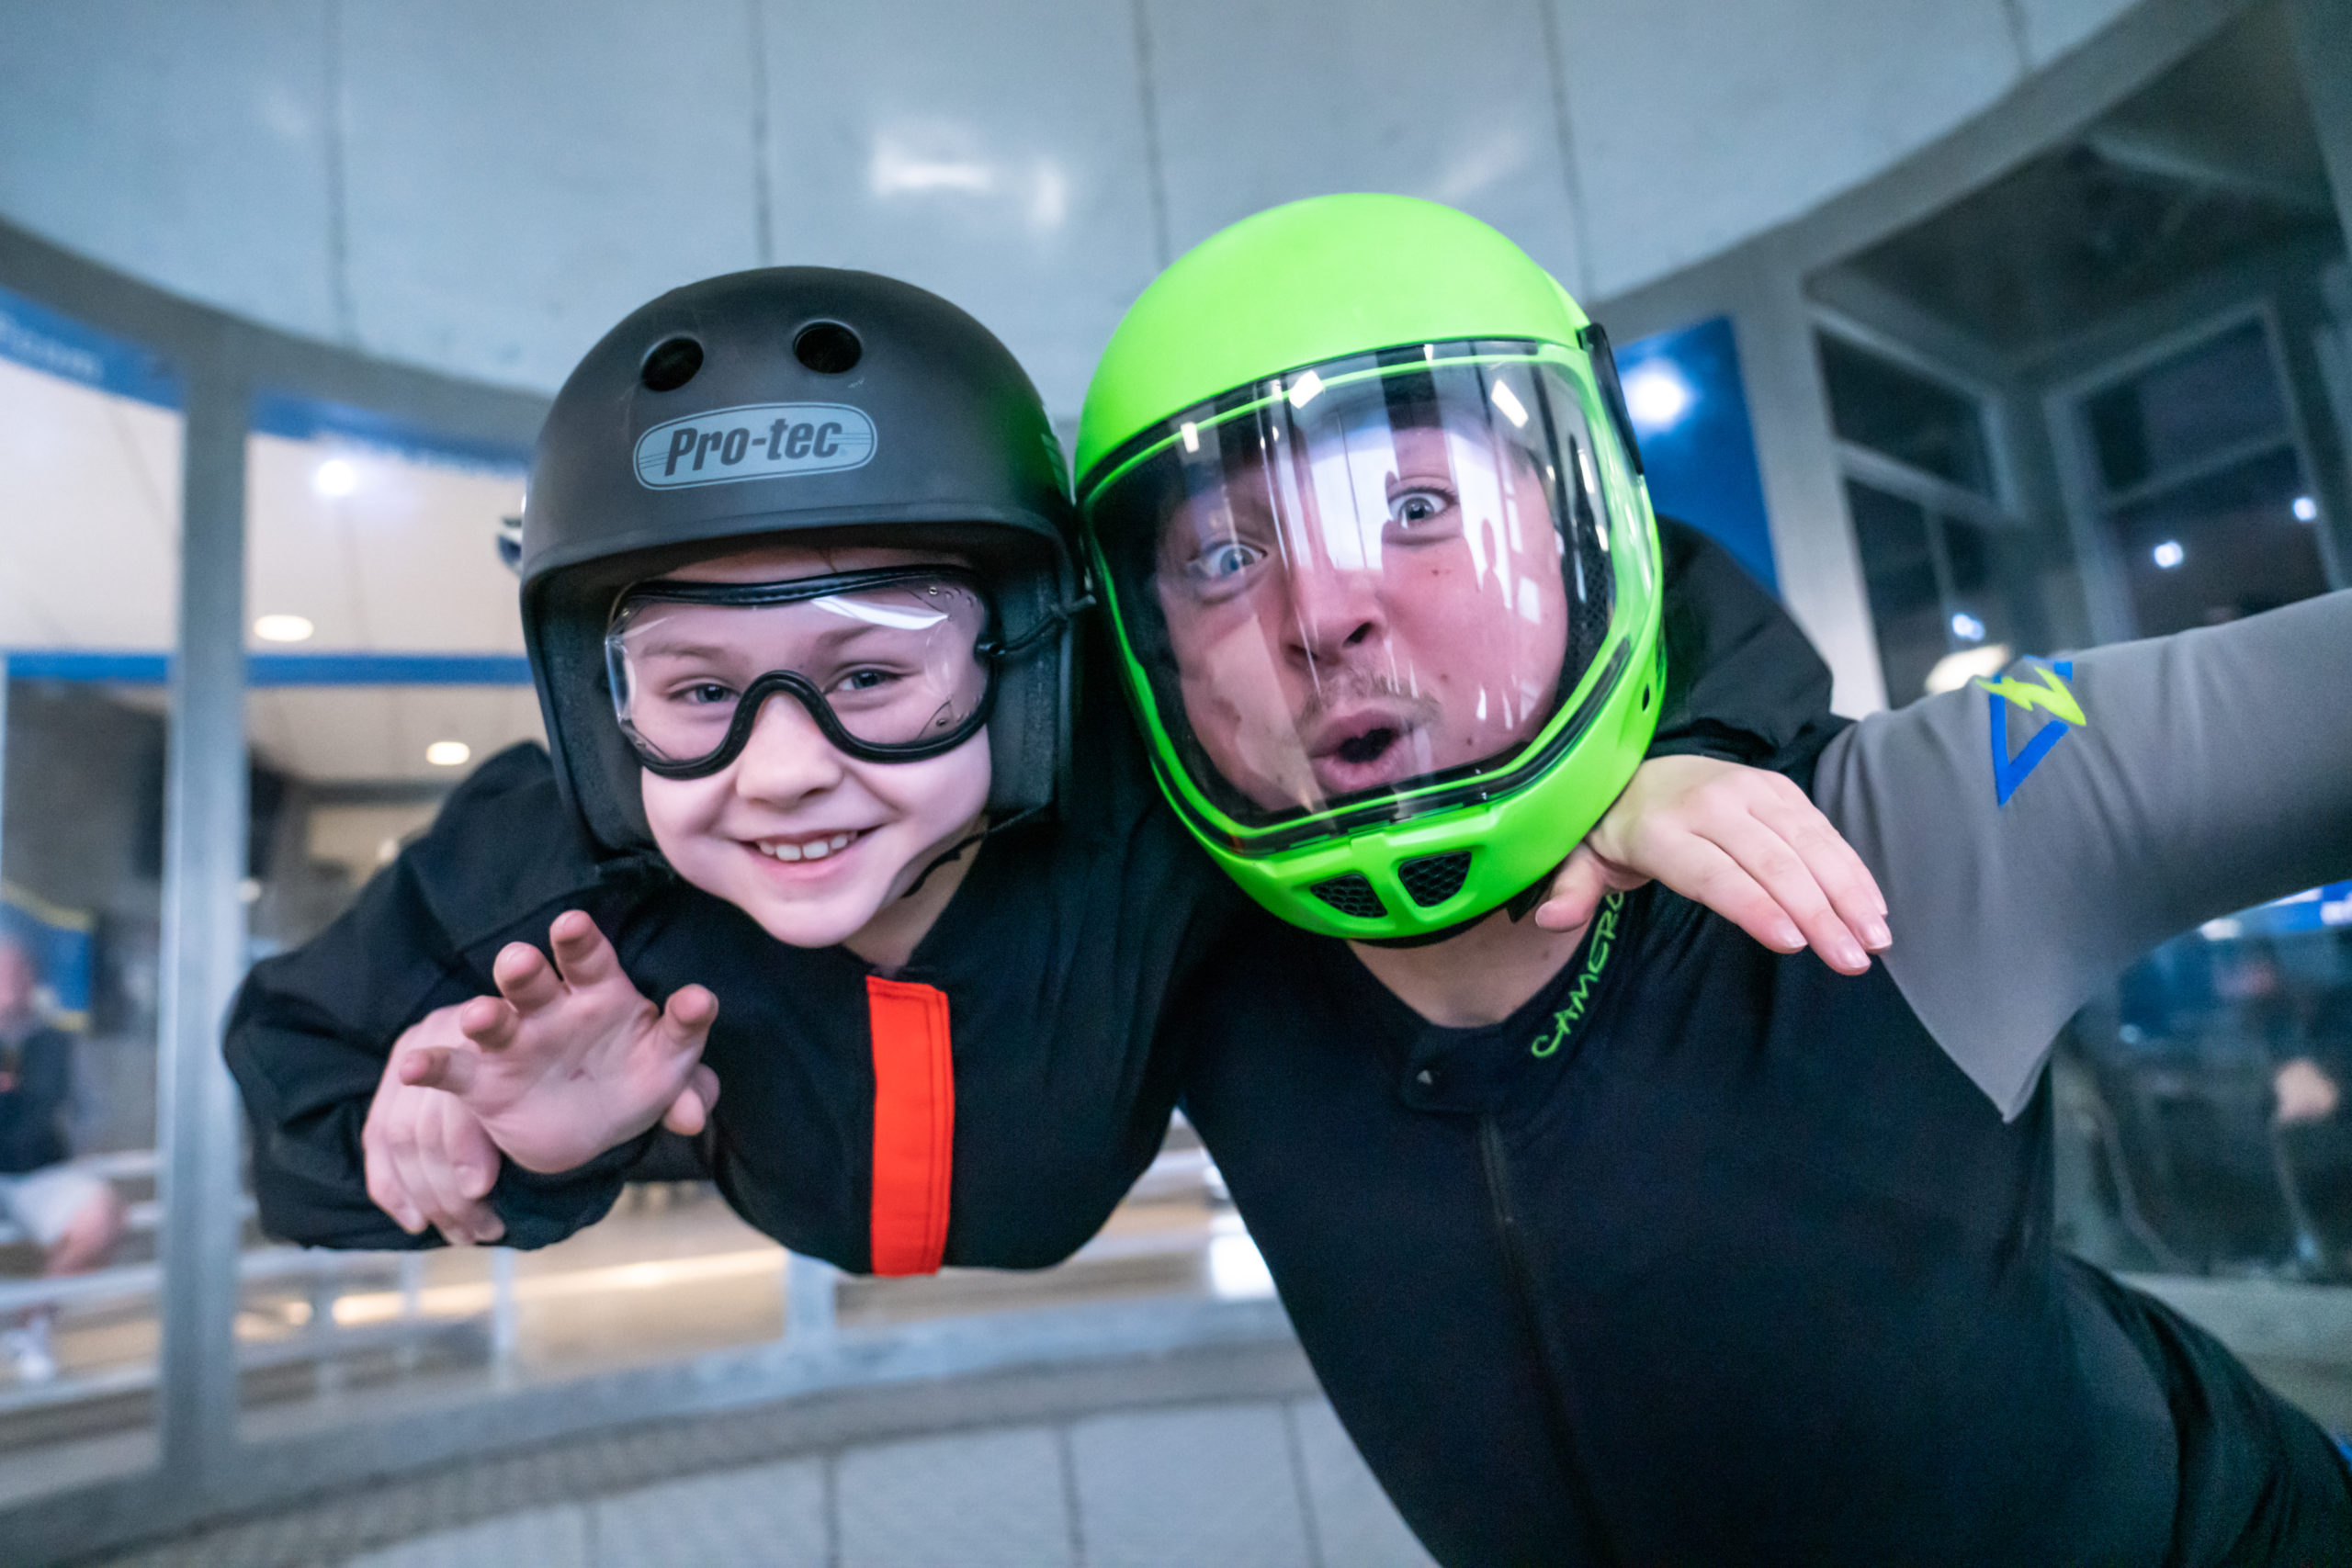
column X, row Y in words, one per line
column 914, row 1124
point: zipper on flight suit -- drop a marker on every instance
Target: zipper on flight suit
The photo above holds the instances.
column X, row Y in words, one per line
column 1492, row 1161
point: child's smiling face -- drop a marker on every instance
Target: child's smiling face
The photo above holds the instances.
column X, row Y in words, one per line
column 814, row 844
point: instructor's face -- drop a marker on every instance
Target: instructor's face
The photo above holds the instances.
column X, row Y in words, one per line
column 1384, row 603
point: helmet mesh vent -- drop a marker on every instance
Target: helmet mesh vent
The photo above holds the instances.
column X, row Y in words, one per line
column 1351, row 895
column 828, row 347
column 1433, row 879
column 671, row 363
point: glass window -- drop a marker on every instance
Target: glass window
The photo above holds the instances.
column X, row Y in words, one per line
column 2219, row 546
column 1940, row 591
column 2205, row 399
column 1906, row 600
column 89, row 546
column 1901, row 414
column 2218, row 1086
column 385, row 664
column 2204, row 500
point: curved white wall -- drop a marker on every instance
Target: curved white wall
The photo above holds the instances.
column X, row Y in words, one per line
column 483, row 189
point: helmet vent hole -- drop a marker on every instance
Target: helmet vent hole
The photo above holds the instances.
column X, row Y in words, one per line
column 1433, row 879
column 827, row 348
column 1350, row 895
column 671, row 363
column 1645, row 699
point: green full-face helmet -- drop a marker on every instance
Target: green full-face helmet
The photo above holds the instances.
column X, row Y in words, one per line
column 1369, row 520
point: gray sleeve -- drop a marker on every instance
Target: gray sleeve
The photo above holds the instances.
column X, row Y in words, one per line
column 2035, row 835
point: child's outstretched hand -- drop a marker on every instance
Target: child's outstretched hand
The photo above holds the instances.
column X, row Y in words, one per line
column 570, row 1059
column 1745, row 842
column 429, row 1163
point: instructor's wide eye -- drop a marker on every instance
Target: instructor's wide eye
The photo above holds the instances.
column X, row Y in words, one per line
column 1224, row 559
column 1418, row 506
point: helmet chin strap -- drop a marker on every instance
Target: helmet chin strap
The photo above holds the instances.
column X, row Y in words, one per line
column 954, row 852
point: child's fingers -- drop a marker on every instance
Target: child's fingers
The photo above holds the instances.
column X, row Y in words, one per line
column 452, row 1165
column 686, row 1018
column 385, row 1188
column 1853, row 891
column 449, row 1210
column 443, row 1067
column 1785, row 878
column 525, row 977
column 490, row 1023
column 1701, row 871
column 690, row 1113
column 1576, row 893
column 581, row 952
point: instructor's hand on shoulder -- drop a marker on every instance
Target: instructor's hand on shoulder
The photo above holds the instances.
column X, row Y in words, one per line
column 570, row 1059
column 1744, row 841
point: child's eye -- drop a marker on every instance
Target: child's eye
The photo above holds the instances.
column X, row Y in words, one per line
column 865, row 680
column 704, row 693
column 1223, row 560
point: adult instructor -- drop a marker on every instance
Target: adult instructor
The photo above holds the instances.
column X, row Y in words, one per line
column 1638, row 1242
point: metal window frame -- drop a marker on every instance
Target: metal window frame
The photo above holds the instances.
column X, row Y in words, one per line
column 1987, row 397
column 2089, row 502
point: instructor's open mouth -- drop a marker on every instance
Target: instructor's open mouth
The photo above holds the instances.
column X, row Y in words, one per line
column 1363, row 748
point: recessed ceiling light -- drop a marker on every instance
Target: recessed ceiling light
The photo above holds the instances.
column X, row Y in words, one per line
column 335, row 477
column 284, row 628
column 448, row 753
column 2169, row 554
column 2306, row 510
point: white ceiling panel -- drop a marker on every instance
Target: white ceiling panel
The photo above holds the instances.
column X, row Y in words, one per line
column 522, row 176
column 374, row 734
column 406, row 562
column 948, row 146
column 188, row 143
column 1697, row 124
column 1262, row 102
column 2054, row 26
column 89, row 516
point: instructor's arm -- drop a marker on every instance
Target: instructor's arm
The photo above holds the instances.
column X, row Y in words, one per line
column 2036, row 834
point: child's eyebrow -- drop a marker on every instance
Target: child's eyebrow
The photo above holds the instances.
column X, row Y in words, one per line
column 660, row 648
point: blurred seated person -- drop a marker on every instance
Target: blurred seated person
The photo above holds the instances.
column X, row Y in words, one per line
column 2308, row 1094
column 73, row 1216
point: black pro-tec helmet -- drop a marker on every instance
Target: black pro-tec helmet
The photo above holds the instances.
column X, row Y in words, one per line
column 794, row 402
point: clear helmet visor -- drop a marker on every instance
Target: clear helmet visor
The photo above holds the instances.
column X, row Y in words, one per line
column 1375, row 577
column 892, row 665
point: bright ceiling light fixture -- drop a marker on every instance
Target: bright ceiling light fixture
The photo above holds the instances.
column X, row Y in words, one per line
column 2306, row 510
column 448, row 753
column 284, row 628
column 2168, row 555
column 1967, row 627
column 335, row 477
column 1657, row 396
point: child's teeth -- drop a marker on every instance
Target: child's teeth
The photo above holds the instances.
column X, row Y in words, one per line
column 816, row 849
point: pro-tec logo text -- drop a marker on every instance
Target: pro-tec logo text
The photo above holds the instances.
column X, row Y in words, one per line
column 757, row 441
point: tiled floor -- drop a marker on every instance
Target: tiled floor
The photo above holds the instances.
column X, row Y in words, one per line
column 1255, row 1485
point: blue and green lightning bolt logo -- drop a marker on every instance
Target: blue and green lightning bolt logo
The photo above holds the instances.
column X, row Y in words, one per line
column 2052, row 697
